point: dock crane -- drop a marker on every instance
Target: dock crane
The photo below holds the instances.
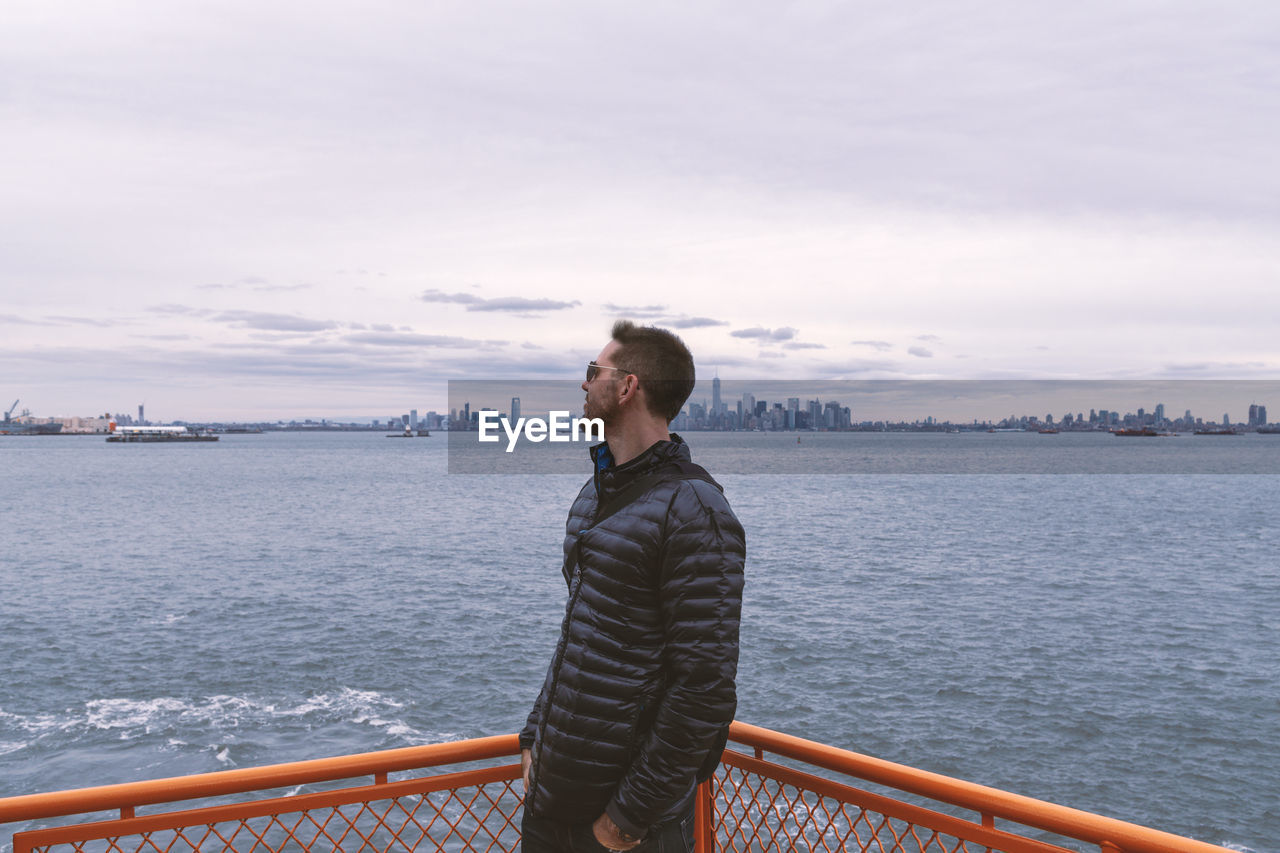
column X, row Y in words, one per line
column 10, row 412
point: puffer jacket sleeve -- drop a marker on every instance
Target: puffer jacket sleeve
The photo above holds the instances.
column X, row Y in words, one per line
column 530, row 731
column 700, row 591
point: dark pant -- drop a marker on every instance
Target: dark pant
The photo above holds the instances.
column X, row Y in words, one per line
column 540, row 835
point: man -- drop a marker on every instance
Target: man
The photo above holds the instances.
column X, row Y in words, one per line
column 640, row 691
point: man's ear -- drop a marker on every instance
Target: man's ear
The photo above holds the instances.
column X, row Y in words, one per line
column 630, row 389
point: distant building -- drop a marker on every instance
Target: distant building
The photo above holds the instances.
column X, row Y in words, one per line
column 515, row 410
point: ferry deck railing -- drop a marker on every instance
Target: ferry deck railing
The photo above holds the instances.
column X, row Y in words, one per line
column 783, row 793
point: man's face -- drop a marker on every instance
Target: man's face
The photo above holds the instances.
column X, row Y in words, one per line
column 601, row 400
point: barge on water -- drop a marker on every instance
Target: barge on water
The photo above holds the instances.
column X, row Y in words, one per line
column 24, row 424
column 132, row 434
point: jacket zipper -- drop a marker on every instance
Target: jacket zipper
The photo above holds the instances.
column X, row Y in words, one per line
column 561, row 648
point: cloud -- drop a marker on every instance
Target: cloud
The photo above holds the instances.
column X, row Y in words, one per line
column 693, row 322
column 273, row 322
column 658, row 314
column 919, row 352
column 876, row 345
column 518, row 303
column 771, row 354
column 861, row 367
column 22, row 321
column 1218, row 369
column 528, row 345
column 278, row 336
column 279, row 288
column 408, row 339
column 763, row 335
column 803, row 345
column 644, row 311
column 87, row 321
column 515, row 304
column 928, row 338
column 256, row 283
column 434, row 295
column 182, row 310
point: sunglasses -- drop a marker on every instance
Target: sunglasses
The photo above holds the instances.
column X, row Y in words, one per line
column 593, row 369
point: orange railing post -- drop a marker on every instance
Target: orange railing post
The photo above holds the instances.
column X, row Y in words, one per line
column 703, row 830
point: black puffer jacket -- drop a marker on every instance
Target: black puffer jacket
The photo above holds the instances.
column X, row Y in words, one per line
column 641, row 687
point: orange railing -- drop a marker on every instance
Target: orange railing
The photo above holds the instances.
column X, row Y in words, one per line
column 799, row 798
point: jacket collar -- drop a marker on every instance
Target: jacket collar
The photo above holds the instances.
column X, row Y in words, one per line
column 609, row 478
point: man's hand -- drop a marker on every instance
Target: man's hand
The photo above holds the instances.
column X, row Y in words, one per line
column 526, row 764
column 608, row 834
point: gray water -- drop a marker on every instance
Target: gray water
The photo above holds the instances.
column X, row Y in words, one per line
column 1108, row 642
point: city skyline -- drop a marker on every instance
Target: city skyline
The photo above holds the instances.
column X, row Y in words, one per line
column 243, row 212
column 954, row 401
column 958, row 401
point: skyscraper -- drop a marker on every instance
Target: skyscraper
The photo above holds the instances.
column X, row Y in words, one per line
column 141, row 418
column 715, row 397
column 1253, row 414
column 515, row 410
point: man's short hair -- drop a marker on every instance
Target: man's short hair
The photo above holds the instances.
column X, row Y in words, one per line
column 662, row 363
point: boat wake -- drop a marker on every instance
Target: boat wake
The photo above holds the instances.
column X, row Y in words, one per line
column 221, row 725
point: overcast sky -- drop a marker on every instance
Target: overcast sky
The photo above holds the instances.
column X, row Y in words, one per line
column 248, row 210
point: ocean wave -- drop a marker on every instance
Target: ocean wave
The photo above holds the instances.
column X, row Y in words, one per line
column 10, row 746
column 185, row 721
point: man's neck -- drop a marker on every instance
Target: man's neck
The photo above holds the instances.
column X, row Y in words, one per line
column 628, row 442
